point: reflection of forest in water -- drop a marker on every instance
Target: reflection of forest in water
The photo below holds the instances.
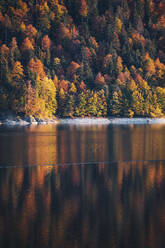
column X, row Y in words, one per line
column 77, row 206
column 115, row 205
column 51, row 144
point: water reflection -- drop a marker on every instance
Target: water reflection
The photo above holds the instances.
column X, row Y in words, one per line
column 117, row 205
column 51, row 144
column 114, row 204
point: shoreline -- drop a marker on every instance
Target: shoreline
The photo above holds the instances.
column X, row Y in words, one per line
column 13, row 120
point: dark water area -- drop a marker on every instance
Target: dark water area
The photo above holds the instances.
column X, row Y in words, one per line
column 71, row 186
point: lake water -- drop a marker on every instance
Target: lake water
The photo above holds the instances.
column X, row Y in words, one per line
column 82, row 186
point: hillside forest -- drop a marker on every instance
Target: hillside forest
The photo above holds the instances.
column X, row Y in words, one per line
column 81, row 58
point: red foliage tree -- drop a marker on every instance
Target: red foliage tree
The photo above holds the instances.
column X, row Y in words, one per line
column 46, row 43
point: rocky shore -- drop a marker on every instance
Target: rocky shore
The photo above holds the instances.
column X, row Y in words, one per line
column 11, row 119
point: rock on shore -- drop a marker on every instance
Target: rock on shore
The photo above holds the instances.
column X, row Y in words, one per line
column 10, row 119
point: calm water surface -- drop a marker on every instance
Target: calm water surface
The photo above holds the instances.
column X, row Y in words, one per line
column 68, row 186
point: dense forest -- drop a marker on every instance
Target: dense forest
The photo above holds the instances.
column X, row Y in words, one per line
column 82, row 57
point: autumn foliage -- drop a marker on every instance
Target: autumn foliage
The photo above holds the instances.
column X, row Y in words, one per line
column 82, row 58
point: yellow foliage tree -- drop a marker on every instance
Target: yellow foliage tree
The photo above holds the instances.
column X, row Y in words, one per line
column 18, row 71
column 55, row 80
column 46, row 91
column 119, row 65
column 73, row 88
column 161, row 98
column 118, row 25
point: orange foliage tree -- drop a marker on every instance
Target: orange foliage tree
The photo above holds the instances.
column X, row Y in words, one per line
column 83, row 8
column 46, row 42
column 26, row 45
column 30, row 31
column 99, row 80
column 72, row 68
column 36, row 67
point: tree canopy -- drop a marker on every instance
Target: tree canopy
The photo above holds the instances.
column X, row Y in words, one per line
column 83, row 58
